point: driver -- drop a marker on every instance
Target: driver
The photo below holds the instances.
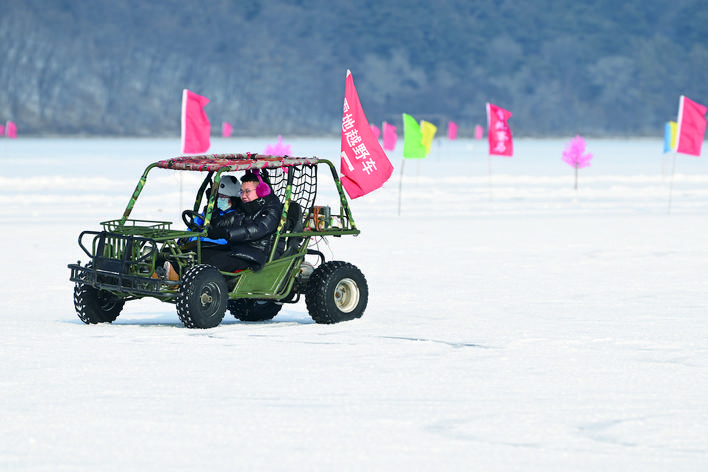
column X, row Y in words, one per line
column 226, row 199
column 247, row 228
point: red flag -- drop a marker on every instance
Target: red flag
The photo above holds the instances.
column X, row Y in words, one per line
column 500, row 140
column 226, row 129
column 377, row 132
column 195, row 124
column 364, row 165
column 389, row 137
column 451, row 130
column 691, row 127
column 478, row 132
column 10, row 130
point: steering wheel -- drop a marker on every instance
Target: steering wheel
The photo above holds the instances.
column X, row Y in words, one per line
column 189, row 217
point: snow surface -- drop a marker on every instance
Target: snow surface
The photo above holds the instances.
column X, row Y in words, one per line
column 513, row 322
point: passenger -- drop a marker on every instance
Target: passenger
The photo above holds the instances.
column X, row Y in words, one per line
column 248, row 229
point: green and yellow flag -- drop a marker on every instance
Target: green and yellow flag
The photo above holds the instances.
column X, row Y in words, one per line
column 428, row 132
column 413, row 147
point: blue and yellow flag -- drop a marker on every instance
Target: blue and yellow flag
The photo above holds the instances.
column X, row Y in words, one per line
column 670, row 136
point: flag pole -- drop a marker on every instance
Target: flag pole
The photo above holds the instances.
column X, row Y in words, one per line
column 671, row 182
column 491, row 197
column 664, row 165
column 400, row 186
column 181, row 175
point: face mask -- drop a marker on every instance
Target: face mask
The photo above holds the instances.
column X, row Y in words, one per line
column 223, row 203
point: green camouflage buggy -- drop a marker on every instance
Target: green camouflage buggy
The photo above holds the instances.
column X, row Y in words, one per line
column 124, row 257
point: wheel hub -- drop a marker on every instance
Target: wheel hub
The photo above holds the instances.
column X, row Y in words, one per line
column 346, row 295
column 206, row 299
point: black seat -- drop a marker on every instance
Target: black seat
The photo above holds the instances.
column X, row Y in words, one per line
column 293, row 224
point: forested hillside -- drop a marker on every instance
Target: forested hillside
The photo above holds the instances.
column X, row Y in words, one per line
column 603, row 68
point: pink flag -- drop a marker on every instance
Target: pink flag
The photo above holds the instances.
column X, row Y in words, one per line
column 389, row 137
column 691, row 127
column 10, row 130
column 478, row 132
column 451, row 130
column 196, row 128
column 226, row 129
column 377, row 132
column 499, row 134
column 364, row 165
column 2, row 130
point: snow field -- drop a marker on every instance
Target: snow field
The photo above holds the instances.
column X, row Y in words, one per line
column 533, row 327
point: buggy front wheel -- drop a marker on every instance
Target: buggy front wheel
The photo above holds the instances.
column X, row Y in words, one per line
column 201, row 301
column 337, row 291
column 96, row 306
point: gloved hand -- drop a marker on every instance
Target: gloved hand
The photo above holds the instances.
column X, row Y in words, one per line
column 217, row 233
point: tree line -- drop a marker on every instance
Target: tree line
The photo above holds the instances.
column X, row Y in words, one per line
column 271, row 67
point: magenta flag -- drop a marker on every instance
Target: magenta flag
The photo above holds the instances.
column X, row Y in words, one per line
column 226, row 129
column 10, row 129
column 691, row 127
column 478, row 132
column 451, row 130
column 364, row 165
column 499, row 134
column 196, row 128
column 377, row 132
column 389, row 137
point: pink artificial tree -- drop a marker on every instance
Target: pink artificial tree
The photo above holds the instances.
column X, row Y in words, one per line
column 574, row 155
column 278, row 149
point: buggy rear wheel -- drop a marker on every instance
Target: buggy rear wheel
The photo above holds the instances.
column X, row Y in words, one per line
column 96, row 306
column 247, row 309
column 337, row 291
column 201, row 301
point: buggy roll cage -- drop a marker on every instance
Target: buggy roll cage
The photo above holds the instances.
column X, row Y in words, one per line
column 291, row 179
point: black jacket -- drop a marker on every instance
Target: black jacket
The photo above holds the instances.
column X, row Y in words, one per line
column 250, row 229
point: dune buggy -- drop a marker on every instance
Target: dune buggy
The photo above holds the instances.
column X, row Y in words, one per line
column 124, row 257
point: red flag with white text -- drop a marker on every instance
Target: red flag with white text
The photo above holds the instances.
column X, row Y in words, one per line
column 364, row 164
column 691, row 127
column 499, row 132
column 196, row 129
